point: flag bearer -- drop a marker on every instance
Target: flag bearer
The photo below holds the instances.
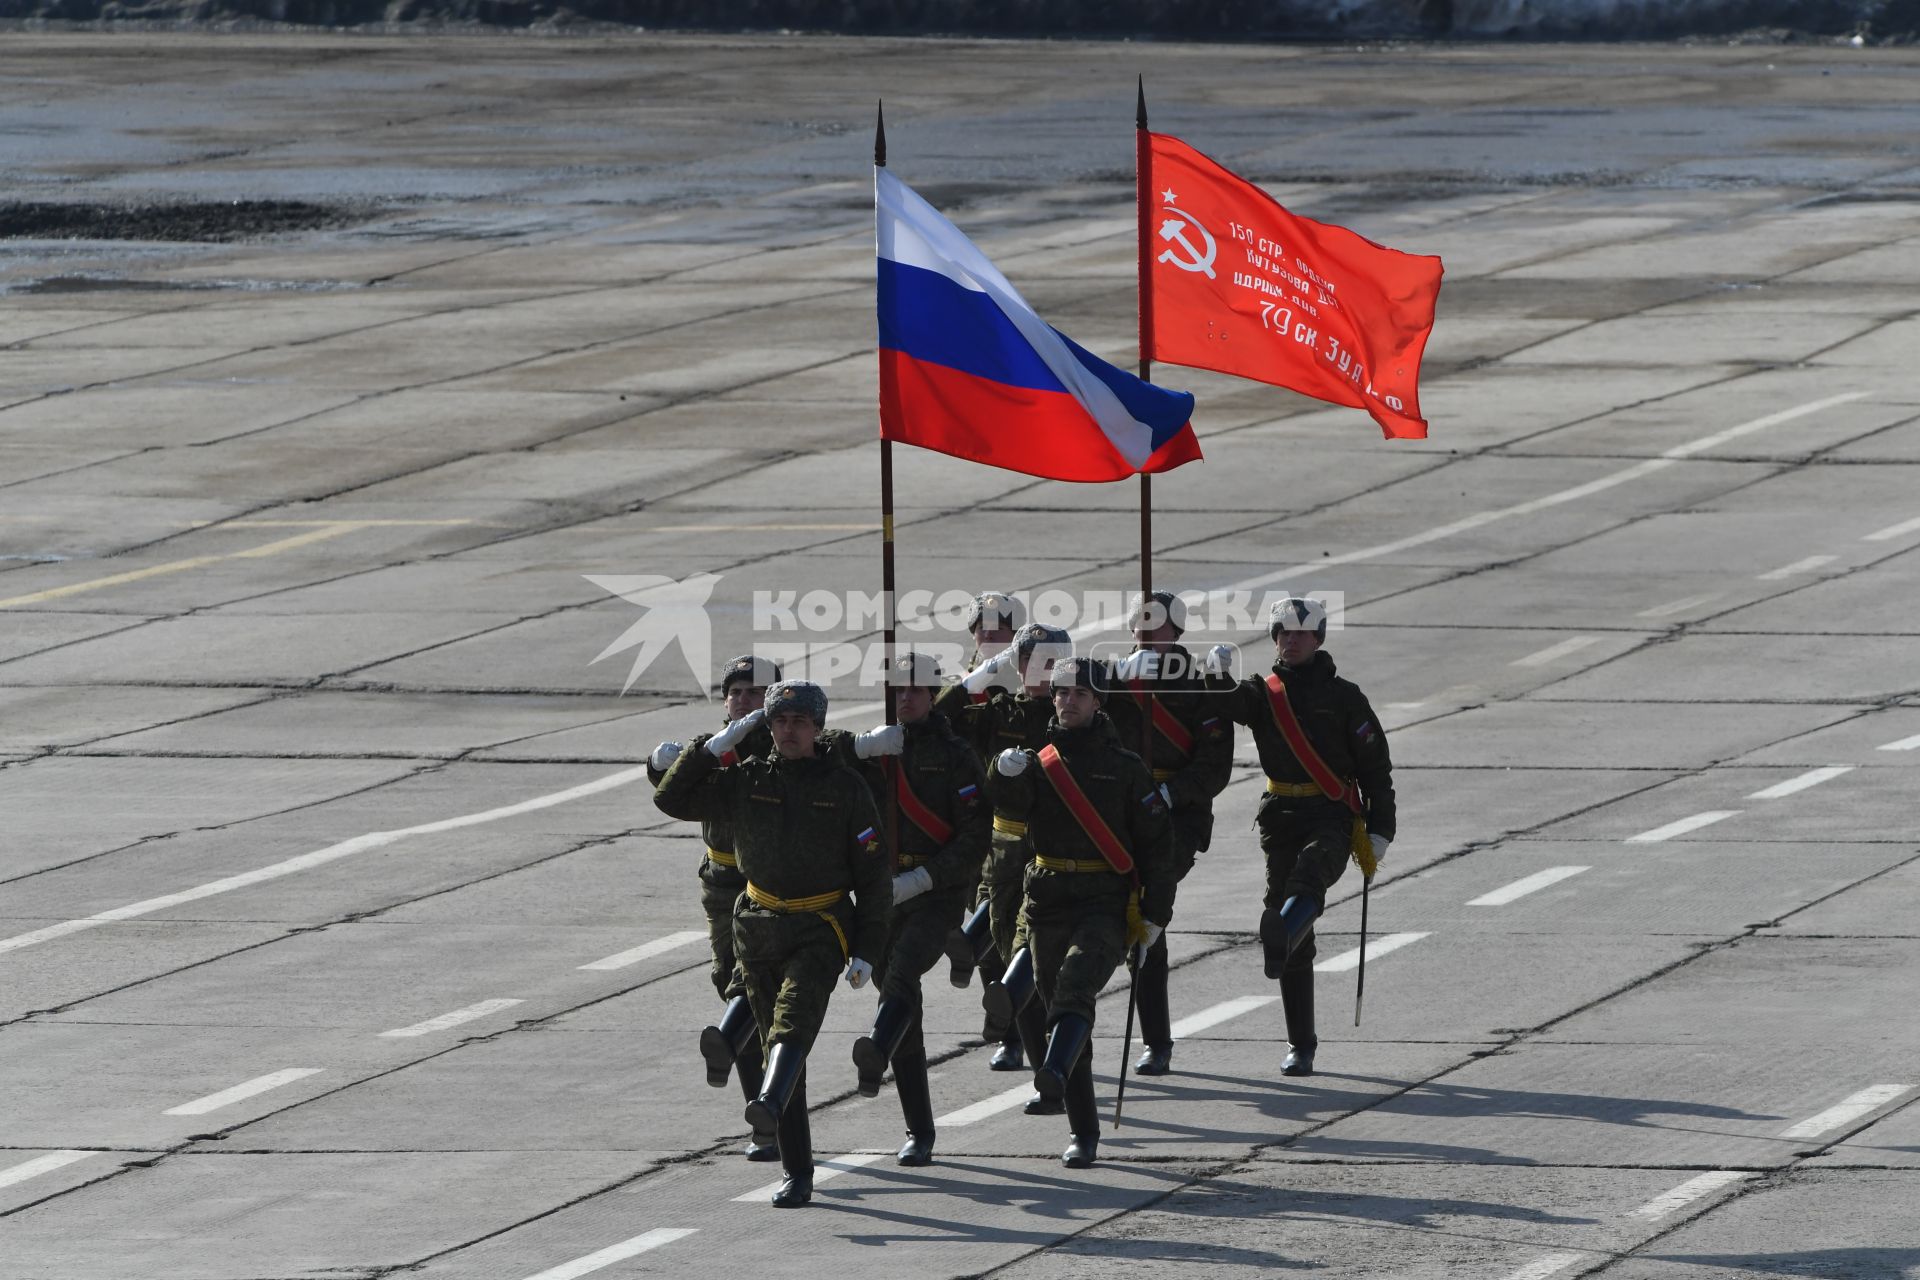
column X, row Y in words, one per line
column 1192, row 761
column 944, row 822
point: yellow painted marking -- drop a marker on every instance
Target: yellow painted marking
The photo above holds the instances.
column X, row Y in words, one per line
column 320, row 532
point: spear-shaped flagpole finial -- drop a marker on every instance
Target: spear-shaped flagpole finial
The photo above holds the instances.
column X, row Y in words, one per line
column 880, row 135
column 1140, row 106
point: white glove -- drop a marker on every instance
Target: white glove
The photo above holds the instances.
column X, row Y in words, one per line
column 858, row 971
column 1380, row 846
column 663, row 756
column 881, row 740
column 909, row 885
column 1011, row 763
column 1142, row 664
column 1166, row 795
column 1219, row 660
column 731, row 736
column 1140, row 952
column 987, row 674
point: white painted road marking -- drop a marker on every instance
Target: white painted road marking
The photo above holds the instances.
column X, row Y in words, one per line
column 1375, row 949
column 647, row 951
column 1905, row 744
column 1194, row 1023
column 1681, row 827
column 1482, row 518
column 1887, row 534
column 1678, row 606
column 1547, row 1264
column 1555, row 652
column 333, row 852
column 1529, row 884
column 447, row 1020
column 1847, row 1110
column 822, row 1171
column 42, row 1164
column 1797, row 567
column 241, row 1092
column 1811, row 778
column 986, row 1108
column 1686, row 1193
column 615, row 1253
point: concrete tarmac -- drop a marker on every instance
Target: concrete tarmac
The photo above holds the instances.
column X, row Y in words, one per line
column 339, row 935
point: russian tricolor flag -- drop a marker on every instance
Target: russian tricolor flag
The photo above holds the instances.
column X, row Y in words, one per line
column 968, row 368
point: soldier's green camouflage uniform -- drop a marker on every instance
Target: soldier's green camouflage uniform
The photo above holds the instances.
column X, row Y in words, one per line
column 1192, row 778
column 1076, row 921
column 1306, row 838
column 721, row 880
column 801, row 828
column 990, row 724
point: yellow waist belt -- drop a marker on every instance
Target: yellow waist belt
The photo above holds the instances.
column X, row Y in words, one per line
column 720, row 859
column 908, row 861
column 1161, row 775
column 816, row 903
column 1072, row 864
column 1007, row 826
column 813, row 902
column 1297, row 790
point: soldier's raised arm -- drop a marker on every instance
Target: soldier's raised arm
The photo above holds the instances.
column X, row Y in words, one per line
column 957, row 865
column 1010, row 783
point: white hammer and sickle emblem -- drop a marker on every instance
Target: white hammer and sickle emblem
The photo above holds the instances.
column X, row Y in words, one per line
column 1174, row 231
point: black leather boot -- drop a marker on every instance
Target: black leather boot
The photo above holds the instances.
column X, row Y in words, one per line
column 1005, row 997
column 796, row 1145
column 872, row 1052
column 1066, row 1045
column 968, row 945
column 916, row 1104
column 1083, row 1116
column 722, row 1044
column 1156, row 1014
column 785, row 1063
column 763, row 1145
column 1296, row 1002
column 1283, row 931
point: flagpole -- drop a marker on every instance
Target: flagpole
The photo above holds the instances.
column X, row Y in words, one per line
column 1143, row 188
column 886, row 553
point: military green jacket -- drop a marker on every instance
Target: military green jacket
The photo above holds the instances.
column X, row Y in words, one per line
column 800, row 828
column 1121, row 788
column 715, row 832
column 992, row 722
column 1340, row 724
column 947, row 779
column 1193, row 778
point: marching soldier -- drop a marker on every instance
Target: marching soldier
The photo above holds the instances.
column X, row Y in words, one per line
column 734, row 1041
column 1329, row 797
column 1102, row 880
column 1005, row 718
column 1192, row 760
column 806, row 835
column 942, row 814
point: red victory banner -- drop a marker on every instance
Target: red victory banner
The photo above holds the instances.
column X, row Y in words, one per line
column 1235, row 283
